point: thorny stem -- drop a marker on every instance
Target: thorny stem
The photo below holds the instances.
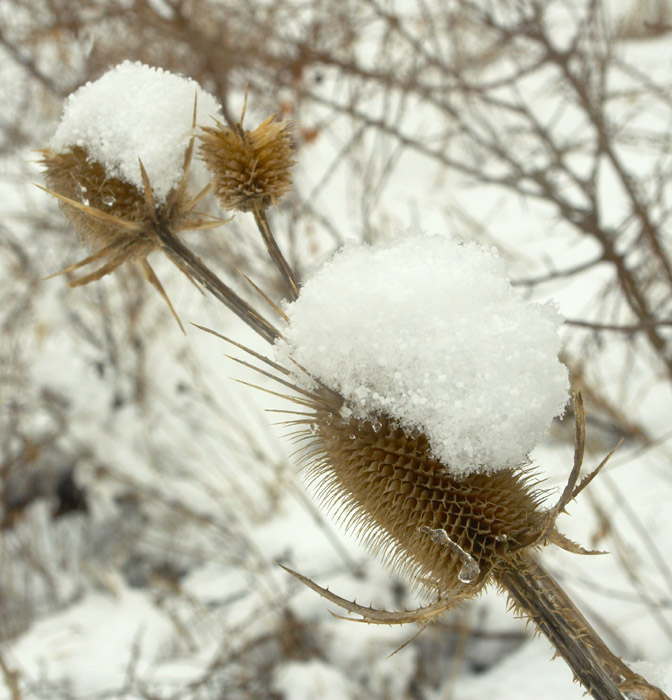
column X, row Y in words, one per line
column 536, row 594
column 201, row 273
column 276, row 254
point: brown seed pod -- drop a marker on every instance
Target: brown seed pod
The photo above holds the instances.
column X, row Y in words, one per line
column 116, row 219
column 445, row 534
column 448, row 535
column 251, row 169
column 122, row 226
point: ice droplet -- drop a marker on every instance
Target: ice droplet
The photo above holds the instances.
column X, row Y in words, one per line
column 80, row 191
column 313, row 429
column 470, row 569
column 376, row 425
column 353, row 436
column 109, row 201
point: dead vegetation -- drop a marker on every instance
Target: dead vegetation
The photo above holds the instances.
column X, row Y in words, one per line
column 536, row 106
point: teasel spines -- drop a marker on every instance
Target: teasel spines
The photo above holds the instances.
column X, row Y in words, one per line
column 118, row 221
column 251, row 170
column 386, row 485
column 73, row 175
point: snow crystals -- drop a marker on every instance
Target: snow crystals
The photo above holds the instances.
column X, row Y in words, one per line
column 135, row 112
column 428, row 330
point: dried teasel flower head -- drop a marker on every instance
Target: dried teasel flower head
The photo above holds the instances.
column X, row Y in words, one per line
column 120, row 165
column 251, row 169
column 109, row 214
column 420, row 409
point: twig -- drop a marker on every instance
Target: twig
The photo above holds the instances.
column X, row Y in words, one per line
column 274, row 251
column 634, row 328
column 535, row 593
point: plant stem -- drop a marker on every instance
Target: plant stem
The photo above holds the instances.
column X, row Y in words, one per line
column 536, row 594
column 197, row 270
column 276, row 254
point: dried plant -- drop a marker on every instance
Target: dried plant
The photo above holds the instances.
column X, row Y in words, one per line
column 114, row 218
column 250, row 169
column 486, row 130
column 451, row 535
column 124, row 221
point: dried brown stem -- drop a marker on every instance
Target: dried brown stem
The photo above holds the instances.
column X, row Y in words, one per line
column 276, row 254
column 195, row 268
column 540, row 598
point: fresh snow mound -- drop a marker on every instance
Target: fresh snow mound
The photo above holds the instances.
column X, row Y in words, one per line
column 428, row 330
column 137, row 112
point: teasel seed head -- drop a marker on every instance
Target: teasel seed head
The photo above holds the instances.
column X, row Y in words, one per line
column 115, row 219
column 417, row 364
column 109, row 213
column 105, row 212
column 444, row 534
column 94, row 168
column 250, row 169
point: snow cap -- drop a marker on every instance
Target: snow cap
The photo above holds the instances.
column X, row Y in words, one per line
column 136, row 112
column 428, row 331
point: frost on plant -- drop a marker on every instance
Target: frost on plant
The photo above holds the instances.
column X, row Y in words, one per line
column 428, row 331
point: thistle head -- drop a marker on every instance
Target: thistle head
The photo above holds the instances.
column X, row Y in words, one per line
column 250, row 169
column 390, row 488
column 120, row 164
column 426, row 403
column 106, row 212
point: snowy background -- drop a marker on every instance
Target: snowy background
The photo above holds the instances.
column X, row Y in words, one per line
column 145, row 496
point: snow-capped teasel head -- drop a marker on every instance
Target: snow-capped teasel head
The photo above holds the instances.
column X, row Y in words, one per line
column 424, row 380
column 427, row 331
column 121, row 165
column 133, row 113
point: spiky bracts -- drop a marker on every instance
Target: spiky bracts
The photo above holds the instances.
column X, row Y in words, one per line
column 250, row 169
column 118, row 222
column 445, row 533
column 108, row 214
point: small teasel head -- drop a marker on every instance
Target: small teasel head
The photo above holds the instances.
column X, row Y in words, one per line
column 425, row 405
column 120, row 164
column 250, row 169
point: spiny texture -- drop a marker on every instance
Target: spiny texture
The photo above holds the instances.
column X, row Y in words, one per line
column 251, row 169
column 136, row 112
column 74, row 175
column 113, row 217
column 118, row 222
column 385, row 484
column 120, row 165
